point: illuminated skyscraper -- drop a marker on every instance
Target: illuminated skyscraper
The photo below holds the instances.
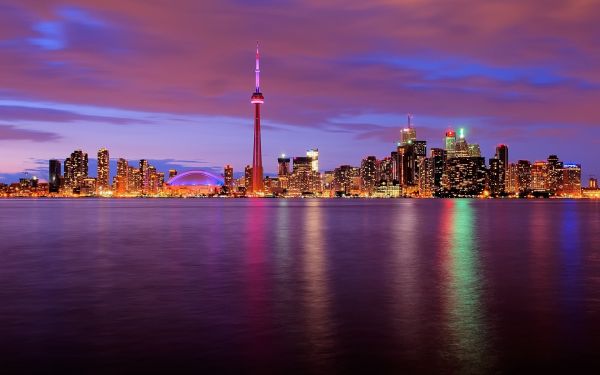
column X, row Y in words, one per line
column 172, row 173
column 303, row 179
column 539, row 176
column 68, row 174
column 368, row 168
column 406, row 164
column 122, row 176
column 408, row 134
column 461, row 147
column 76, row 170
column 228, row 178
column 523, row 177
column 464, row 177
column 283, row 166
column 248, row 175
column 498, row 171
column 144, row 176
column 257, row 99
column 102, row 182
column 555, row 175
column 134, row 179
column 54, row 176
column 438, row 160
column 313, row 154
column 343, row 179
column 450, row 143
column 571, row 180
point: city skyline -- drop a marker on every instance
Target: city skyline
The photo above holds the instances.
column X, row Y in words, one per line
column 346, row 99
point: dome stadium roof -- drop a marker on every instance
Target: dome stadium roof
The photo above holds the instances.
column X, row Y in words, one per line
column 195, row 178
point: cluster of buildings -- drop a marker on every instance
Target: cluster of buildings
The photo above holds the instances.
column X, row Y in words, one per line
column 456, row 170
column 71, row 178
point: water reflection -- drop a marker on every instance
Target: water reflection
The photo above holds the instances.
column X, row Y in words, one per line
column 317, row 296
column 405, row 273
column 258, row 319
column 572, row 293
column 465, row 321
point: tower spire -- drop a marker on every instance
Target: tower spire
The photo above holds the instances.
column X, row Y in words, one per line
column 257, row 71
column 410, row 120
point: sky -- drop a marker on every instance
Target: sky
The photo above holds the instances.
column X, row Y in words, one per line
column 171, row 80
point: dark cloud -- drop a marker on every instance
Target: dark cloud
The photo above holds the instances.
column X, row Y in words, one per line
column 13, row 133
column 22, row 113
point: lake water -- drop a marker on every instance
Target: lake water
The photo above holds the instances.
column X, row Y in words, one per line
column 319, row 286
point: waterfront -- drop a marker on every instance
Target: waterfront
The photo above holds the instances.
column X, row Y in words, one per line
column 305, row 285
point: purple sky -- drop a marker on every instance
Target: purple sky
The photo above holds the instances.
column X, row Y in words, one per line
column 170, row 80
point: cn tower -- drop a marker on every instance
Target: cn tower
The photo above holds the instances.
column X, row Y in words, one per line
column 257, row 100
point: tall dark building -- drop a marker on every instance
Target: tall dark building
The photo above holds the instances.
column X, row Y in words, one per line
column 228, row 178
column 524, row 177
column 248, row 175
column 498, row 175
column 145, row 176
column 406, row 164
column 257, row 99
column 54, row 176
column 555, row 175
column 438, row 160
column 283, row 166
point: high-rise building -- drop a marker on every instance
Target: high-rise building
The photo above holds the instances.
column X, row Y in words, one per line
column 461, row 147
column 450, row 144
column 406, row 164
column 593, row 183
column 122, row 176
column 54, row 176
column 571, row 180
column 426, row 176
column 68, row 174
column 153, row 179
column 313, row 154
column 498, row 171
column 555, row 175
column 257, row 99
column 343, row 179
column 539, row 176
column 502, row 155
column 228, row 178
column 523, row 177
column 474, row 150
column 76, row 170
column 283, row 166
column 438, row 158
column 303, row 178
column 464, row 177
column 172, row 173
column 248, row 175
column 145, row 176
column 512, row 181
column 496, row 177
column 385, row 171
column 368, row 169
column 102, row 182
column 408, row 134
column 134, row 180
